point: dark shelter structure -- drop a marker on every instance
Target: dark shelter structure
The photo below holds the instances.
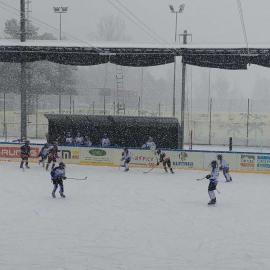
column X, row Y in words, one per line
column 131, row 131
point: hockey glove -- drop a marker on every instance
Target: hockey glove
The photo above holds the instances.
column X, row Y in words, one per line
column 157, row 163
column 208, row 176
column 64, row 177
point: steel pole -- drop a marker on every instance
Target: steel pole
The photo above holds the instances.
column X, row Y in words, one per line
column 183, row 96
column 210, row 121
column 248, row 113
column 174, row 67
column 60, row 26
column 60, row 83
column 23, row 76
column 36, row 116
column 5, row 124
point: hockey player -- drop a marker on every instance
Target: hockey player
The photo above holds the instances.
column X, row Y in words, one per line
column 126, row 158
column 213, row 180
column 52, row 155
column 224, row 167
column 25, row 154
column 43, row 154
column 166, row 161
column 57, row 176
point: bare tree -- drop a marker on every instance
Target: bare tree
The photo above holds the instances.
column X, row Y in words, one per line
column 111, row 28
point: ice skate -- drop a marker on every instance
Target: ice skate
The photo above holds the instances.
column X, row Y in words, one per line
column 212, row 202
column 53, row 195
column 126, row 170
column 62, row 195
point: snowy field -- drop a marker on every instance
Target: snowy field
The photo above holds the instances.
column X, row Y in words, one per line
column 132, row 221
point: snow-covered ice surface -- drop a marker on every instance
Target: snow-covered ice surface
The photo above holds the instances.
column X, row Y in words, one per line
column 135, row 221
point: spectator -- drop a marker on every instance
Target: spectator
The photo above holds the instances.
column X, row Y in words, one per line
column 87, row 141
column 69, row 140
column 149, row 145
column 79, row 139
column 105, row 141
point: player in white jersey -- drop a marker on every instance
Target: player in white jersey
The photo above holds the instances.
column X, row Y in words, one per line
column 43, row 154
column 224, row 167
column 213, row 181
column 126, row 158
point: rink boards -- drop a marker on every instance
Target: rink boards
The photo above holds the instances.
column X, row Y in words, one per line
column 188, row 159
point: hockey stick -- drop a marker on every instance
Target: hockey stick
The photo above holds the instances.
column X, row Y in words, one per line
column 73, row 178
column 199, row 179
column 151, row 169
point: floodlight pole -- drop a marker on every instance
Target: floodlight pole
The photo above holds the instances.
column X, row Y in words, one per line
column 60, row 10
column 176, row 12
column 23, row 74
column 183, row 96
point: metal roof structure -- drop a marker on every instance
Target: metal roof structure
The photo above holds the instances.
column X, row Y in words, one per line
column 137, row 55
column 113, row 119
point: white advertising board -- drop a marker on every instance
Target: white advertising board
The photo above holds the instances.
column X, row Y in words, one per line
column 198, row 160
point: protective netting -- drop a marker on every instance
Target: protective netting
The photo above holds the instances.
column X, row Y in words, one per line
column 247, row 121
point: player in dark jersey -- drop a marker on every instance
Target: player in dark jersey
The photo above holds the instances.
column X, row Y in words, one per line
column 52, row 156
column 213, row 181
column 165, row 160
column 57, row 176
column 25, row 154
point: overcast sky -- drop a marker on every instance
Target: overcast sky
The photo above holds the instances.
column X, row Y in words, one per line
column 209, row 21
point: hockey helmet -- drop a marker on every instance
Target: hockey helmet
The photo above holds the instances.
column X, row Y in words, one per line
column 214, row 164
column 27, row 142
column 219, row 157
column 62, row 165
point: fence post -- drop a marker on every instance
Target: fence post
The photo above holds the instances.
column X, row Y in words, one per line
column 248, row 113
column 230, row 144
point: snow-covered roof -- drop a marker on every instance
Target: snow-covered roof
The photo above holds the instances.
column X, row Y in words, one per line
column 95, row 44
column 227, row 56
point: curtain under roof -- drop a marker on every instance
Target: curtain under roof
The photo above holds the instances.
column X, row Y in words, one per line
column 136, row 55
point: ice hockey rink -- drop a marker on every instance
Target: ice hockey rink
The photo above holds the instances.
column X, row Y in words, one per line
column 117, row 220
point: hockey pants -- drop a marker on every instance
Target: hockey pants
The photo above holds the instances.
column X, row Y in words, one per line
column 211, row 190
column 57, row 183
column 226, row 174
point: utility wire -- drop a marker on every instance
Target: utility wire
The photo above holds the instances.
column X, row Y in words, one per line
column 134, row 19
column 140, row 21
column 240, row 10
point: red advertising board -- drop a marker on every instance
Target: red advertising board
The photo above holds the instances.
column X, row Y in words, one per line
column 14, row 152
